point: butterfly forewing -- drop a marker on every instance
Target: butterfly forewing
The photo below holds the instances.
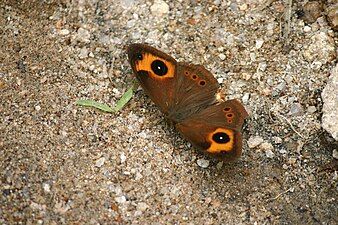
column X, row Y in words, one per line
column 195, row 90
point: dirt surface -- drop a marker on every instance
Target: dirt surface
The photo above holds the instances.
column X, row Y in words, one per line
column 65, row 164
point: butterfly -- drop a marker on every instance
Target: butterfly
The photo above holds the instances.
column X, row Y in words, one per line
column 186, row 94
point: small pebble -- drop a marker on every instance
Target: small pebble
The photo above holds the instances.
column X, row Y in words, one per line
column 100, row 162
column 282, row 151
column 64, row 32
column 262, row 66
column 269, row 154
column 219, row 165
column 246, row 76
column 222, row 56
column 320, row 49
column 46, row 187
column 267, row 147
column 281, row 86
column 312, row 10
column 43, row 80
column 311, row 109
column 259, row 43
column 332, row 16
column 120, row 199
column 270, row 29
column 116, row 92
column 335, row 154
column 83, row 53
column 83, row 35
column 220, row 80
column 254, row 141
column 142, row 206
column 203, row 163
column 292, row 161
column 37, row 108
column 127, row 3
column 307, row 29
column 246, row 97
column 123, row 157
column 277, row 140
column 296, row 109
column 243, row 7
column 159, row 8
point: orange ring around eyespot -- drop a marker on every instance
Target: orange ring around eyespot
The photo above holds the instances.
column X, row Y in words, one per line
column 217, row 148
column 145, row 65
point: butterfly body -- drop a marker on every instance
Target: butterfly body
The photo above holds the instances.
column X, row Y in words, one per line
column 186, row 94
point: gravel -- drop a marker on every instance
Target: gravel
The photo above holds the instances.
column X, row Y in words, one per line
column 65, row 164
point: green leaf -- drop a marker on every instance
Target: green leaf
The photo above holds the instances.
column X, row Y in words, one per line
column 91, row 103
column 124, row 99
column 119, row 105
column 126, row 96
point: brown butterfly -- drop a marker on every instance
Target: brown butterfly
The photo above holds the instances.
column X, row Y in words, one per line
column 186, row 94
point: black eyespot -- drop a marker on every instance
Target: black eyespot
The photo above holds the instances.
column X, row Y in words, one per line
column 186, row 73
column 159, row 67
column 221, row 138
column 139, row 56
column 227, row 109
column 194, row 77
column 202, row 82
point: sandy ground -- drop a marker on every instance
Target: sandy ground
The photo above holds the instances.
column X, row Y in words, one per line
column 65, row 164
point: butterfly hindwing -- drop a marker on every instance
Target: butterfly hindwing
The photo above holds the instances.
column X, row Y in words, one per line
column 216, row 130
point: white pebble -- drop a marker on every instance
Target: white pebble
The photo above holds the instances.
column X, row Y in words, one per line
column 222, row 56
column 259, row 43
column 83, row 35
column 254, row 141
column 307, row 29
column 266, row 146
column 100, row 162
column 335, row 154
column 262, row 66
column 46, row 187
column 220, row 80
column 64, row 32
column 243, row 7
column 296, row 109
column 277, row 140
column 159, row 8
column 121, row 199
column 203, row 163
column 83, row 53
column 123, row 157
column 142, row 206
column 127, row 3
column 116, row 92
column 311, row 109
column 246, row 97
column 269, row 154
